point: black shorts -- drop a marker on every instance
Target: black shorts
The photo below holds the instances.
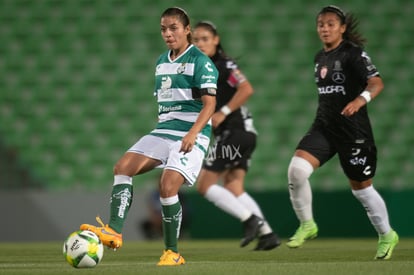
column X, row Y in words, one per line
column 231, row 149
column 358, row 160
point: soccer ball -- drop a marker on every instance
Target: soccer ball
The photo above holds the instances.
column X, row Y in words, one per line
column 83, row 249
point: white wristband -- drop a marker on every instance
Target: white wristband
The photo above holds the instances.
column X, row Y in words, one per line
column 225, row 110
column 366, row 95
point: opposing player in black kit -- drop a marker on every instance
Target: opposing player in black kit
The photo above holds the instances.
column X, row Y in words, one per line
column 347, row 80
column 235, row 140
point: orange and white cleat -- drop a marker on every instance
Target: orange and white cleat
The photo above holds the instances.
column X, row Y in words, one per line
column 170, row 258
column 107, row 235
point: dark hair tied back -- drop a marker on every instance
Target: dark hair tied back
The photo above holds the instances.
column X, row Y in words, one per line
column 182, row 15
column 338, row 11
column 209, row 25
column 351, row 33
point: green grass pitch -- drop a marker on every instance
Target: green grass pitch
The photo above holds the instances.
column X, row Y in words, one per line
column 320, row 256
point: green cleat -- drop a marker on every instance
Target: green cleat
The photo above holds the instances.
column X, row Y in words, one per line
column 386, row 244
column 306, row 231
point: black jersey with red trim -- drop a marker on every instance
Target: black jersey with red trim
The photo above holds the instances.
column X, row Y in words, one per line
column 341, row 75
column 230, row 77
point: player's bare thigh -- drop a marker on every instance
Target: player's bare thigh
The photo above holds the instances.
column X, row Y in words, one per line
column 131, row 164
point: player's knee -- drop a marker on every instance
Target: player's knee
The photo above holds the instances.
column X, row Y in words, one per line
column 299, row 170
column 120, row 168
column 203, row 185
column 168, row 189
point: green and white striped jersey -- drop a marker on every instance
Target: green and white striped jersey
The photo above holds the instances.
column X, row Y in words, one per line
column 177, row 86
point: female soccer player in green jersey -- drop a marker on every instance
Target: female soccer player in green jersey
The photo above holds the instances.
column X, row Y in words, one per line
column 185, row 88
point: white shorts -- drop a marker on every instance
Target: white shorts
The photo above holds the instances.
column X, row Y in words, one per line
column 167, row 151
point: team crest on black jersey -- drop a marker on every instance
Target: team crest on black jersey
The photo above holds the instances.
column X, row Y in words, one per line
column 324, row 72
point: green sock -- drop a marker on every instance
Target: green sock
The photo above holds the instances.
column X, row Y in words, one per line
column 121, row 199
column 171, row 223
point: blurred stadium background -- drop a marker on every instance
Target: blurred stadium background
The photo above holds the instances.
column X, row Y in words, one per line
column 76, row 91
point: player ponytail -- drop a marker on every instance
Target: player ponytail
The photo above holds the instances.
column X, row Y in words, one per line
column 351, row 33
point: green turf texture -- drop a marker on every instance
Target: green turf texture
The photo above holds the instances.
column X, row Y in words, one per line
column 320, row 256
